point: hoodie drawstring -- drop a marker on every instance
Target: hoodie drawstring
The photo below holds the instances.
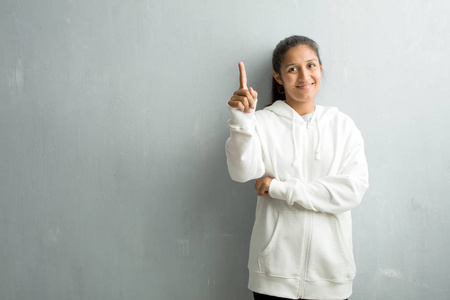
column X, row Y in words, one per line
column 317, row 153
column 294, row 139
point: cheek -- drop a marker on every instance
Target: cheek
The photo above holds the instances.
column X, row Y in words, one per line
column 290, row 78
column 318, row 75
column 317, row 79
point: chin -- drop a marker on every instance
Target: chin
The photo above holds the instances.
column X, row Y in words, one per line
column 304, row 99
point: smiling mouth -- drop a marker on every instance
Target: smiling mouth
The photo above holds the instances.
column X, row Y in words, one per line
column 305, row 86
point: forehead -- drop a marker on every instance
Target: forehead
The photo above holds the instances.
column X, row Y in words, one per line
column 298, row 54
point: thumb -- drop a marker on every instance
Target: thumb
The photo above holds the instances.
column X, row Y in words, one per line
column 254, row 95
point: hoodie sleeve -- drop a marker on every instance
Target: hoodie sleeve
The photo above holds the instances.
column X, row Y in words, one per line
column 243, row 147
column 331, row 194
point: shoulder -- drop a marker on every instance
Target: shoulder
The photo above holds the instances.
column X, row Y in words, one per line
column 266, row 119
column 264, row 113
column 269, row 112
column 333, row 114
column 338, row 121
column 278, row 109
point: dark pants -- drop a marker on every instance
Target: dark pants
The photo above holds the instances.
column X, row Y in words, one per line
column 266, row 297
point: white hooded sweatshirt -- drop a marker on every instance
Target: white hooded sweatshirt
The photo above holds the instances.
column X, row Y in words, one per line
column 301, row 245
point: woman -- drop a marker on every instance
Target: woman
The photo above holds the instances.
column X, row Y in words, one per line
column 311, row 170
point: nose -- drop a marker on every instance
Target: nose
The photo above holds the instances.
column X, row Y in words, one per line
column 303, row 74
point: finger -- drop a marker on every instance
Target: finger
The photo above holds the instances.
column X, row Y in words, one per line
column 257, row 185
column 254, row 95
column 245, row 94
column 244, row 102
column 237, row 104
column 242, row 76
column 251, row 100
column 242, row 93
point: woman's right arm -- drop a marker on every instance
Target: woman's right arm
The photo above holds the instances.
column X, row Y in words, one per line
column 243, row 147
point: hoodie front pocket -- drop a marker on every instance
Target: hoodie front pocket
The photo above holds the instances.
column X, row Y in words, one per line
column 331, row 256
column 282, row 256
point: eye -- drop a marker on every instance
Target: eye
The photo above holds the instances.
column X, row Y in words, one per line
column 292, row 69
column 311, row 65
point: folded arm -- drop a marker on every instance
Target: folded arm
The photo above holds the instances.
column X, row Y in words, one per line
column 332, row 194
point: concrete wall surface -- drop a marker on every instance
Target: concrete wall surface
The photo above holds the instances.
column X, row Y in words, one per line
column 113, row 116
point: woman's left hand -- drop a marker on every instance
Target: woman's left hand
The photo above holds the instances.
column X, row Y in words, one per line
column 262, row 186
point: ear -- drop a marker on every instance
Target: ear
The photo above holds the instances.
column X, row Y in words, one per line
column 277, row 77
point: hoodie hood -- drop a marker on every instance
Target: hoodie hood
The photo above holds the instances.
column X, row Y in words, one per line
column 320, row 115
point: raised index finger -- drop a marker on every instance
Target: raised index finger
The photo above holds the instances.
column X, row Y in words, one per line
column 242, row 76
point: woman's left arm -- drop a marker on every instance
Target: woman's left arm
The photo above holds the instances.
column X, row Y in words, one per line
column 332, row 194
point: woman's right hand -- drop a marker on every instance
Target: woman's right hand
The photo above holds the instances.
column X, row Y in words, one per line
column 244, row 99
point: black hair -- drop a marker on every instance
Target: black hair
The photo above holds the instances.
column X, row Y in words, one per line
column 278, row 55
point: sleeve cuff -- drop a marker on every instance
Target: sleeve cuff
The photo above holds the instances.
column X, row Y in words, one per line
column 280, row 190
column 240, row 120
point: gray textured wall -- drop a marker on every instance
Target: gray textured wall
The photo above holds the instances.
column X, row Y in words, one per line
column 112, row 131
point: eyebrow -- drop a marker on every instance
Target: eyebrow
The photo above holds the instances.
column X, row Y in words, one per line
column 309, row 60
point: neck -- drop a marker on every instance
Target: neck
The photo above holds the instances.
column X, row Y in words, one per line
column 302, row 108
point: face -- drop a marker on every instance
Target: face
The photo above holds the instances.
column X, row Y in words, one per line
column 300, row 74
